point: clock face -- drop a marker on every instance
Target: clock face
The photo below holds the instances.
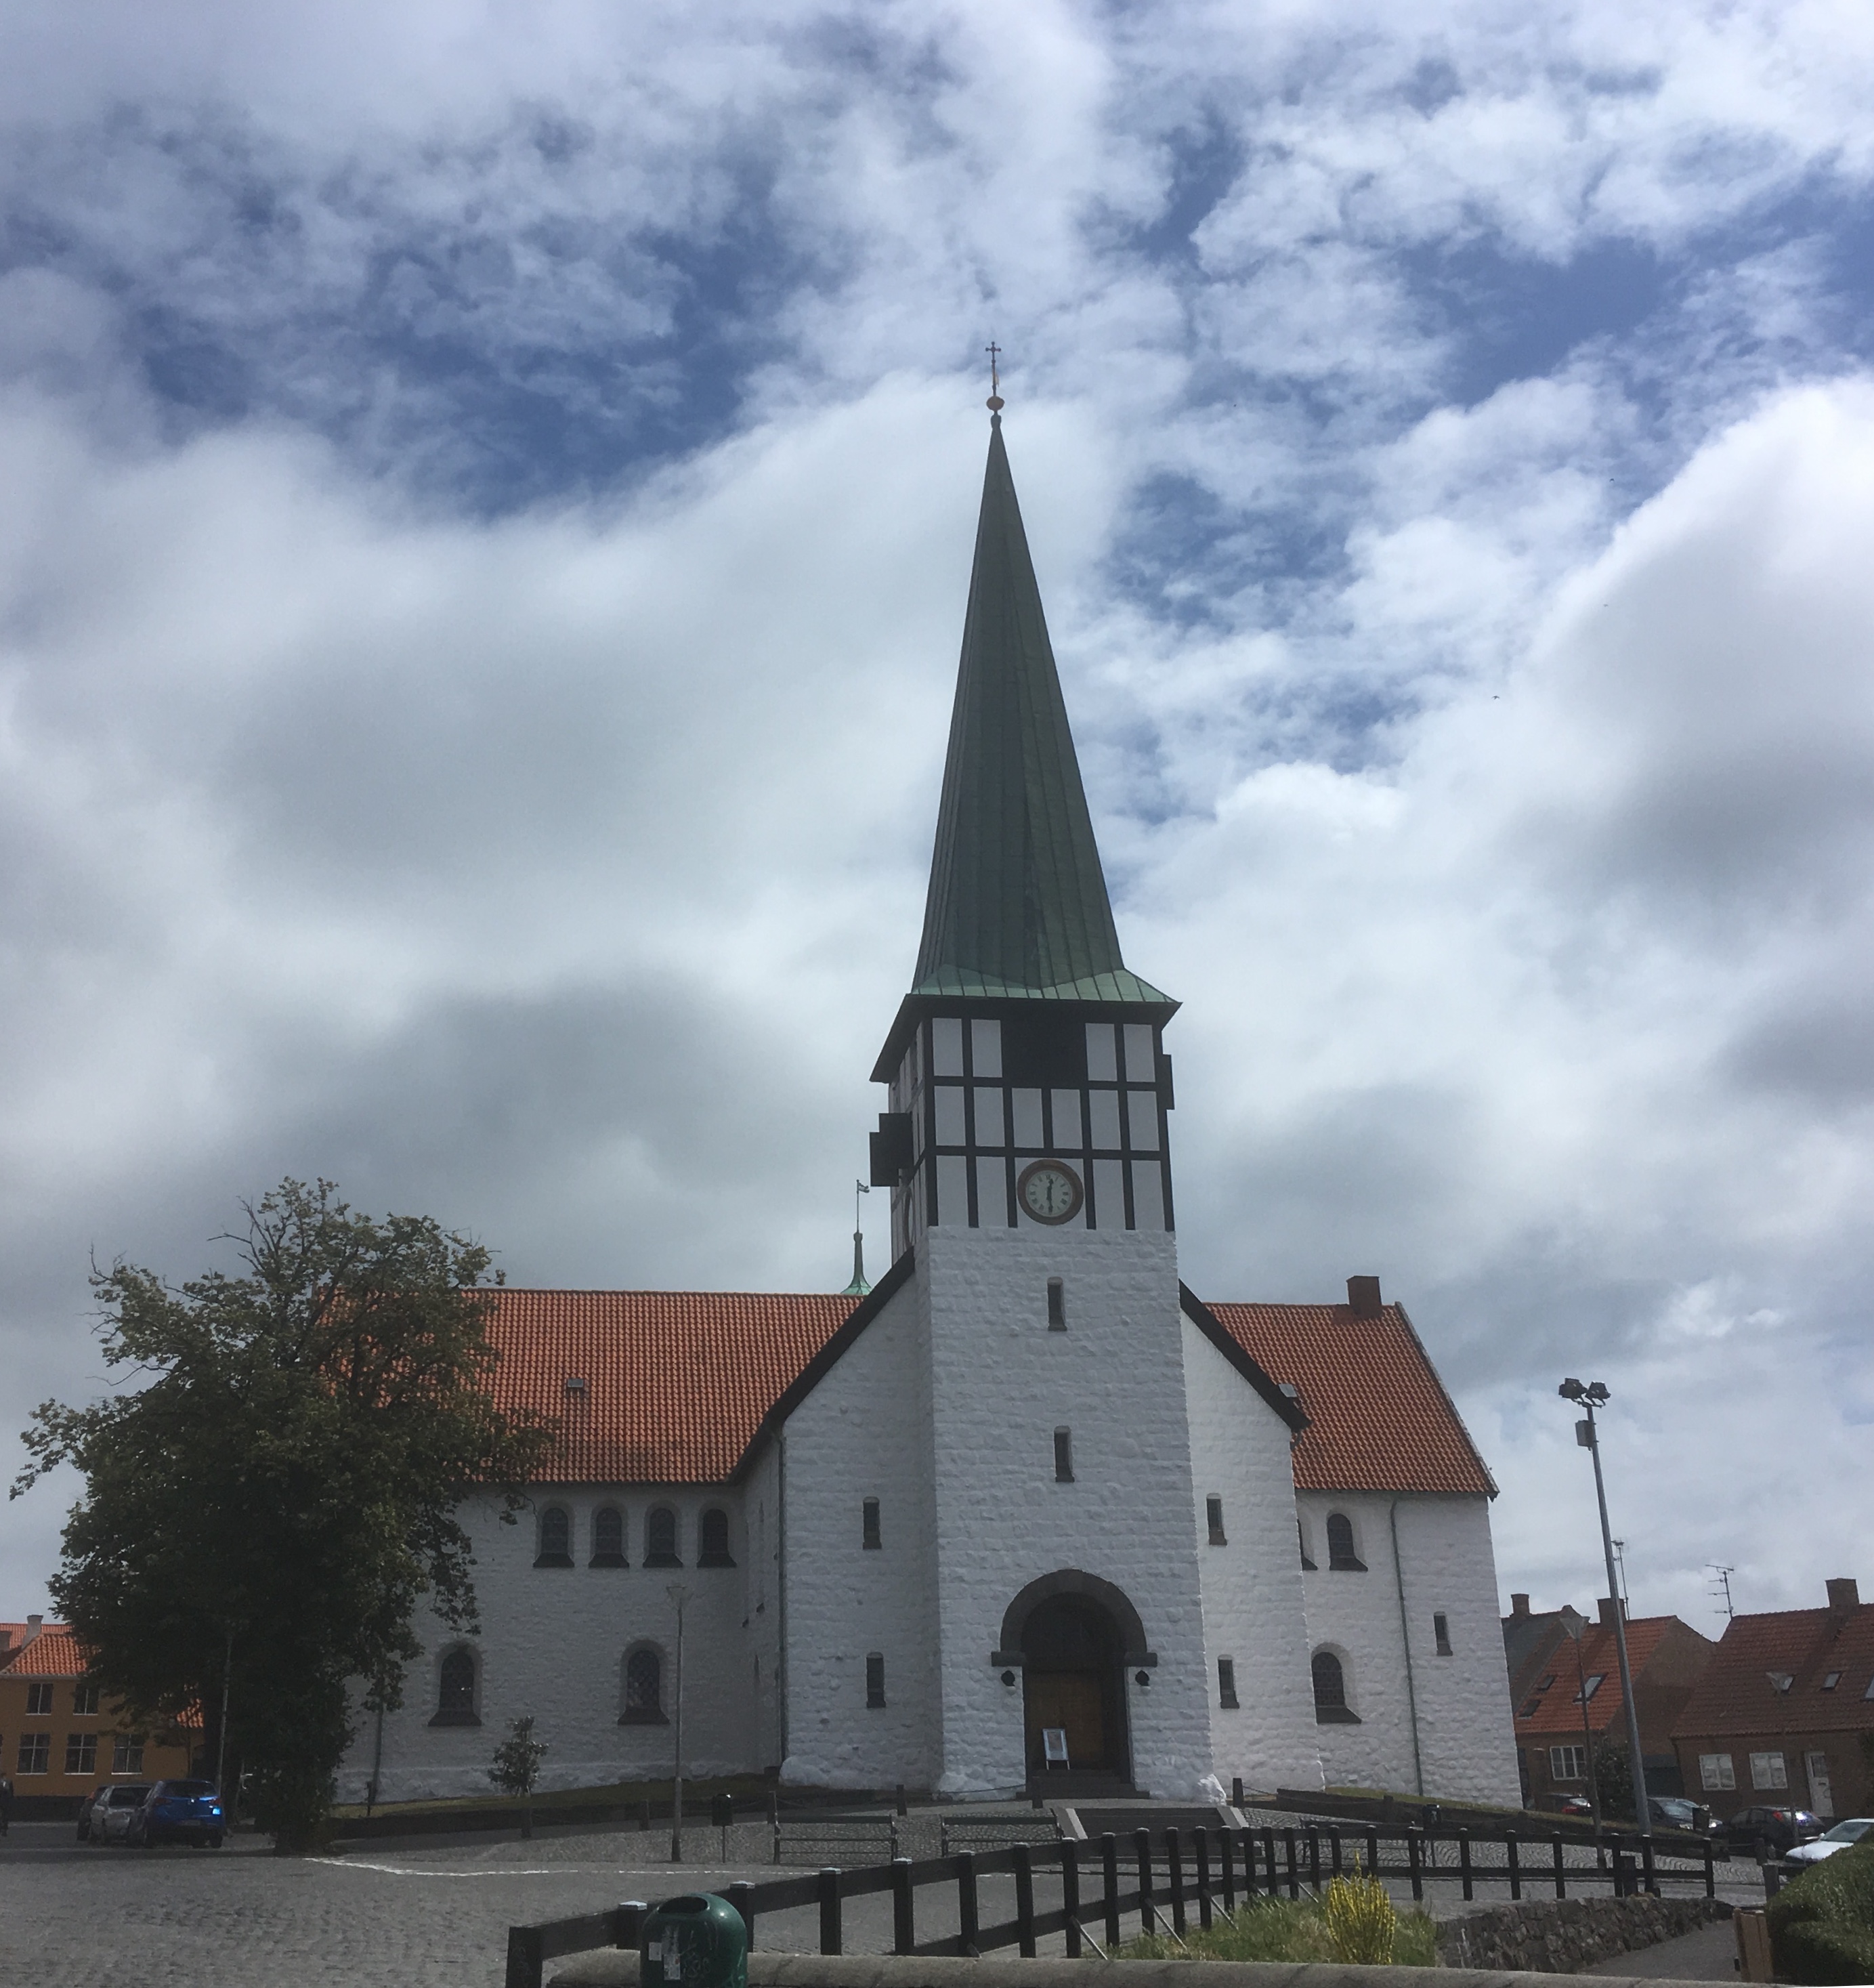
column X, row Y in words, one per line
column 1050, row 1192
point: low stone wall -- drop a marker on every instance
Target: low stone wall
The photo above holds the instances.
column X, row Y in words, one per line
column 1566, row 1936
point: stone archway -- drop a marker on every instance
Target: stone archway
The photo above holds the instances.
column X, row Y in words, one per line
column 1075, row 1636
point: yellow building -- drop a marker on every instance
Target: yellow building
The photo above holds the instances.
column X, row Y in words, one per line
column 58, row 1742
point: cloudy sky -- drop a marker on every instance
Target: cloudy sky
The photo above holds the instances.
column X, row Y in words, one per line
column 485, row 501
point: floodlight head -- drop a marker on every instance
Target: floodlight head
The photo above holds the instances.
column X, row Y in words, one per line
column 1571, row 1391
column 1596, row 1391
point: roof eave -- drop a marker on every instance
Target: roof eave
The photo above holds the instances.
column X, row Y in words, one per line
column 1226, row 1342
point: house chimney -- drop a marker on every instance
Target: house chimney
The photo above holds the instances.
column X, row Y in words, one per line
column 1606, row 1604
column 1844, row 1599
column 32, row 1629
column 1363, row 1297
column 1519, row 1604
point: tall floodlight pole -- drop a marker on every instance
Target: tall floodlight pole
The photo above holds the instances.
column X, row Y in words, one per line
column 679, row 1595
column 1590, row 1398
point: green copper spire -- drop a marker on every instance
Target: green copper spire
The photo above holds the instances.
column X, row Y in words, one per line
column 1018, row 904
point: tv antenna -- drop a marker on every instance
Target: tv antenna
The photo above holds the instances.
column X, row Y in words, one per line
column 1720, row 1587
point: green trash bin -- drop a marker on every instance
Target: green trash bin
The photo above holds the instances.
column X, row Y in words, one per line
column 697, row 1941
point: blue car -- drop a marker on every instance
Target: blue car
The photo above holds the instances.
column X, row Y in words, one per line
column 178, row 1812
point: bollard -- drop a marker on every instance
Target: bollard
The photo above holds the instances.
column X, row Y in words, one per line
column 830, row 1927
column 903, row 1907
column 741, row 1896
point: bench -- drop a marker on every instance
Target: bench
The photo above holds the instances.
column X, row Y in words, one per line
column 847, row 1841
column 996, row 1832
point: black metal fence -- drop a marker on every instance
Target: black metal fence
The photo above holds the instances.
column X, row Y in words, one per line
column 1158, row 1880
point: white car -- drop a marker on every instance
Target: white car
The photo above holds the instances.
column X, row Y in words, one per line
column 1839, row 1838
column 113, row 1810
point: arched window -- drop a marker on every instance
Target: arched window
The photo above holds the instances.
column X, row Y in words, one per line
column 1307, row 1559
column 643, row 1689
column 608, row 1537
column 661, row 1538
column 1340, row 1544
column 713, row 1541
column 455, row 1690
column 1330, row 1705
column 555, row 1537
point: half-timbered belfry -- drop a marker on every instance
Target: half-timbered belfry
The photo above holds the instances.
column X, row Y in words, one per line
column 1028, row 1512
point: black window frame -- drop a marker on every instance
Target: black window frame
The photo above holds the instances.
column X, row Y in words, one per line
column 657, row 1520
column 1332, row 1706
column 870, row 1537
column 1063, row 1454
column 1057, row 1304
column 640, row 1713
column 713, row 1538
column 455, row 1705
column 549, row 1555
column 1347, row 1561
column 1227, row 1698
column 1213, row 1521
column 875, row 1680
column 1441, row 1632
column 601, row 1554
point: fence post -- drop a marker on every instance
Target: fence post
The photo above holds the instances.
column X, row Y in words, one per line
column 741, row 1896
column 1174, row 1879
column 1334, row 1850
column 1516, row 1869
column 1313, row 1860
column 1711, row 1870
column 1024, row 1900
column 1070, row 1895
column 1236, row 1791
column 968, row 1927
column 1109, row 1877
column 1412, row 1860
column 1228, row 1862
column 1201, row 1837
column 1372, row 1853
column 1294, row 1879
column 903, row 1907
column 830, row 1909
column 1269, row 1858
column 1562, row 1877
column 1646, row 1860
column 1464, row 1860
column 1142, row 1850
column 526, row 1956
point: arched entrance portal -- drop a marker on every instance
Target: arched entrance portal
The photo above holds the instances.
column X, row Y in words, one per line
column 1075, row 1636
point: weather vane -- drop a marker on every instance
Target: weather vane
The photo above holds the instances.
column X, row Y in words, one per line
column 995, row 385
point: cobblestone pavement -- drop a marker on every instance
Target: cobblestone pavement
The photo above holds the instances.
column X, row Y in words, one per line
column 404, row 1915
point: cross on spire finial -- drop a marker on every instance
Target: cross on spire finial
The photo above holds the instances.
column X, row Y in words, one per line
column 995, row 385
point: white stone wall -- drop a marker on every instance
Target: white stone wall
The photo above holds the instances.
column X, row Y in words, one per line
column 1446, row 1565
column 863, row 1432
column 1002, row 1382
column 1252, row 1584
column 552, row 1644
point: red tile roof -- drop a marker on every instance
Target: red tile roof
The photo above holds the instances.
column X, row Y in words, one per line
column 53, row 1652
column 1556, row 1712
column 1379, row 1417
column 677, row 1382
column 1736, row 1695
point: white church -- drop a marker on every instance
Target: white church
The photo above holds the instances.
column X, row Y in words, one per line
column 1029, row 1514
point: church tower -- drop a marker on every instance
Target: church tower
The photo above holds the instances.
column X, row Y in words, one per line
column 1026, row 1144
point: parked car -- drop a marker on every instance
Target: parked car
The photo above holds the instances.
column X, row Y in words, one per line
column 1780, row 1828
column 115, row 1808
column 178, row 1812
column 1805, row 1854
column 90, row 1802
column 1675, row 1812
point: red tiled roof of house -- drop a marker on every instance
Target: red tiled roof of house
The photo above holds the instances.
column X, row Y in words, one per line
column 1555, row 1713
column 1379, row 1417
column 53, row 1652
column 677, row 1382
column 1806, row 1646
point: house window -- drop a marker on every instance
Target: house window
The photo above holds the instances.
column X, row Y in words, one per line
column 1301, row 1536
column 644, row 1689
column 875, row 1681
column 1832, row 1680
column 1568, row 1763
column 84, row 1701
column 1441, row 1634
column 39, row 1699
column 661, row 1538
column 1716, row 1773
column 35, row 1752
column 1226, row 1683
column 1330, row 1705
column 1063, row 1456
column 1590, row 1684
column 1340, row 1544
column 81, row 1753
column 1768, row 1771
column 712, row 1540
column 608, row 1537
column 1213, row 1518
column 1057, row 1305
column 555, row 1537
column 126, row 1755
column 455, row 1690
column 869, row 1525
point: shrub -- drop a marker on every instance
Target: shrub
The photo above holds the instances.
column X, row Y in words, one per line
column 1360, row 1920
column 1290, row 1929
column 1821, row 1925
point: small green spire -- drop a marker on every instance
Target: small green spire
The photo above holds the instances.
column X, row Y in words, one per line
column 858, row 1287
column 1017, row 903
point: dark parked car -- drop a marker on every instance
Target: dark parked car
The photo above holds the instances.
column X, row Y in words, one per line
column 179, row 1812
column 1675, row 1812
column 1781, row 1828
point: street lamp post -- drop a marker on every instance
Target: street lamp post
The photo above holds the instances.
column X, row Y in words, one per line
column 679, row 1595
column 1590, row 1398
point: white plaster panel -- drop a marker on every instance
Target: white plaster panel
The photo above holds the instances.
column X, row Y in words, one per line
column 1252, row 1583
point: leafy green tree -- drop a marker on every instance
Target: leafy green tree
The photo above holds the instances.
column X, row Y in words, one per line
column 262, row 1516
column 517, row 1767
column 1613, row 1774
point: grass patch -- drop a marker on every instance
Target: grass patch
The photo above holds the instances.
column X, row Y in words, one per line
column 1294, row 1929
